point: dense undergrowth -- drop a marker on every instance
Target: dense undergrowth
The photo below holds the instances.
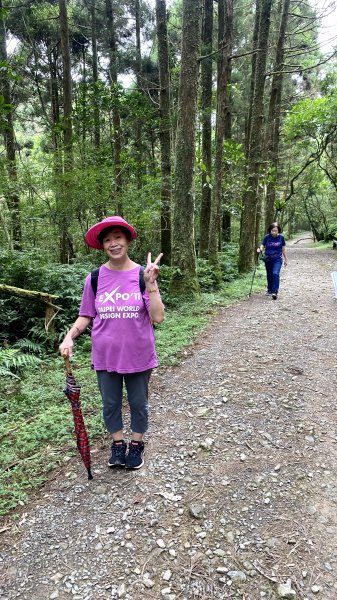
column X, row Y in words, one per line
column 36, row 427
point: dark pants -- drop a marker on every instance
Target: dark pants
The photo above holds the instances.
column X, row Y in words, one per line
column 273, row 268
column 111, row 388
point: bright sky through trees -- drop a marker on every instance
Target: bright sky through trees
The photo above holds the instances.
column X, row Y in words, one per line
column 327, row 36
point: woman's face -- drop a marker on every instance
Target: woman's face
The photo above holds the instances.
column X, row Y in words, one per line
column 274, row 231
column 115, row 244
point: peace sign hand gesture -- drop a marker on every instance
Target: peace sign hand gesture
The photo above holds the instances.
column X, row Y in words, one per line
column 152, row 269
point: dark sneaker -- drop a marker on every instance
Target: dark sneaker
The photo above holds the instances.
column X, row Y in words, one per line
column 274, row 296
column 118, row 451
column 135, row 457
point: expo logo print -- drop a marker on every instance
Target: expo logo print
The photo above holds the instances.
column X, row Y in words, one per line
column 114, row 296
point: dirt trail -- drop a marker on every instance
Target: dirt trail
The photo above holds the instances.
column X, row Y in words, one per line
column 238, row 493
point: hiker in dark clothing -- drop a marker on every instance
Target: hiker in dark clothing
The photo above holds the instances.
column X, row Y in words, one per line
column 274, row 247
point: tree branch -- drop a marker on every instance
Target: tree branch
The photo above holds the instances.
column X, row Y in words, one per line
column 230, row 57
column 300, row 69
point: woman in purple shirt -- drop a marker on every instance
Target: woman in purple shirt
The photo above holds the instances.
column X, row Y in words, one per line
column 123, row 345
column 274, row 248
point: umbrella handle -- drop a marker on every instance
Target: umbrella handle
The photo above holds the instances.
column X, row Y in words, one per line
column 67, row 363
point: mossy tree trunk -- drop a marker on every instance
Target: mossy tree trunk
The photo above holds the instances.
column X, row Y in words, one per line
column 139, row 123
column 206, row 120
column 226, row 15
column 248, row 124
column 99, row 205
column 250, row 195
column 274, row 116
column 184, row 281
column 11, row 189
column 164, row 131
column 116, row 119
column 65, row 212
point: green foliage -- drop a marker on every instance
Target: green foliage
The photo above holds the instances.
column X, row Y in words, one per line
column 331, row 233
column 12, row 362
column 206, row 275
column 228, row 260
column 20, row 314
column 312, row 118
column 311, row 129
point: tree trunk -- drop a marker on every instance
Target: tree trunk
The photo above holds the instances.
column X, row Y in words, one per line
column 206, row 118
column 274, row 116
column 258, row 5
column 139, row 124
column 116, row 120
column 250, row 194
column 67, row 84
column 65, row 212
column 164, row 130
column 54, row 96
column 97, row 130
column 12, row 196
column 184, row 280
column 215, row 222
column 225, row 233
column 83, row 127
column 100, row 210
column 3, row 222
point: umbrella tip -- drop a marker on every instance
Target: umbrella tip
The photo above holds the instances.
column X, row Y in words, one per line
column 90, row 474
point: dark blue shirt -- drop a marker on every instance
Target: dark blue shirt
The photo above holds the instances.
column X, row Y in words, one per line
column 273, row 245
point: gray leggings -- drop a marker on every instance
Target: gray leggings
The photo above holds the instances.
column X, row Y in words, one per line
column 111, row 389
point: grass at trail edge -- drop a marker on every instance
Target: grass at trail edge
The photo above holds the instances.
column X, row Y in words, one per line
column 36, row 428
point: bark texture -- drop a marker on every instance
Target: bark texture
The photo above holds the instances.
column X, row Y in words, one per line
column 185, row 280
column 206, row 117
column 226, row 14
column 97, row 130
column 66, row 247
column 11, row 189
column 250, row 194
column 139, row 124
column 164, row 131
column 116, row 120
column 253, row 71
column 274, row 116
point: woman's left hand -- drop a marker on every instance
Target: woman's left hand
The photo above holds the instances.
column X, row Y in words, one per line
column 152, row 269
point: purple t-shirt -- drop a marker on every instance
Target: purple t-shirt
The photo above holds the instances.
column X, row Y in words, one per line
column 122, row 334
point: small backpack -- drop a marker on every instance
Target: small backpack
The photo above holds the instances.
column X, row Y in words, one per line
column 94, row 280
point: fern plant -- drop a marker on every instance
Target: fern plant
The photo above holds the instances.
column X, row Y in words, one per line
column 13, row 360
column 26, row 345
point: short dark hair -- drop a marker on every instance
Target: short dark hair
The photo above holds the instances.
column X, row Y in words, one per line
column 104, row 232
column 272, row 225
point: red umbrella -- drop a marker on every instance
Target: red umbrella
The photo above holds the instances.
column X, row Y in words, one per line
column 72, row 392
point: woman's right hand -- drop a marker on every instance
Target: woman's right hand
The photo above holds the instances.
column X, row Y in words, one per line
column 66, row 348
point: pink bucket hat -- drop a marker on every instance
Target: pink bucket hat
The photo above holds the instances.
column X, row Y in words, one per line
column 91, row 237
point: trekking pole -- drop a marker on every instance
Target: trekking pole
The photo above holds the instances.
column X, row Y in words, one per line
column 256, row 264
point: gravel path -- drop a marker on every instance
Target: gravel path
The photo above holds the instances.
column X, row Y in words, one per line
column 237, row 498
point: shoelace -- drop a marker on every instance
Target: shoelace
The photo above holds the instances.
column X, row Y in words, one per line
column 119, row 449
